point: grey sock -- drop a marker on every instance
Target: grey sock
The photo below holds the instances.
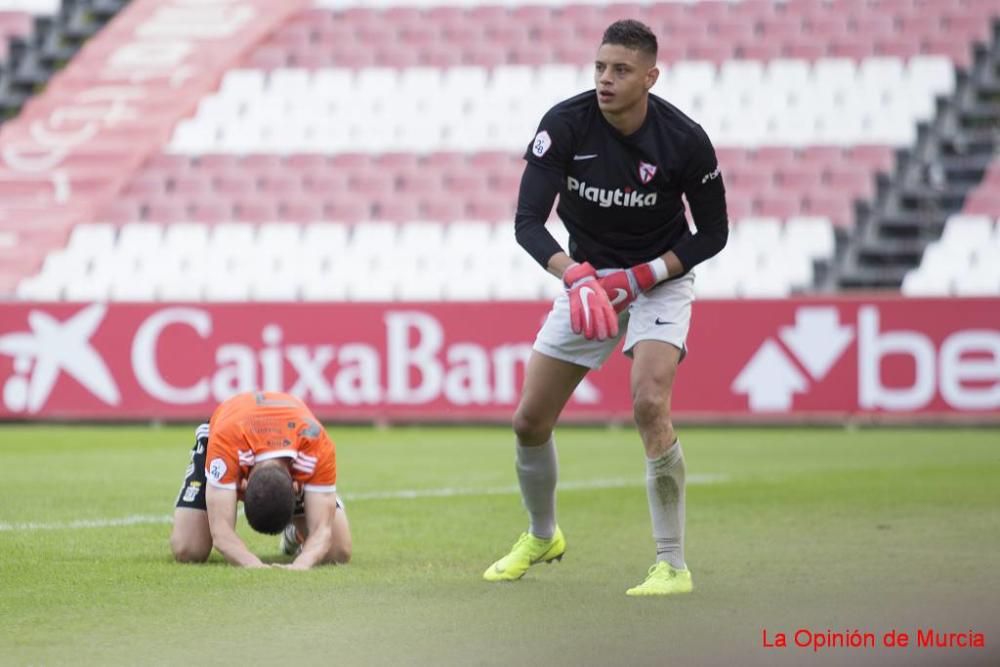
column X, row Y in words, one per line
column 665, row 492
column 537, row 472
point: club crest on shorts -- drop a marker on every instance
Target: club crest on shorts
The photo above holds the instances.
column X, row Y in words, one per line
column 646, row 172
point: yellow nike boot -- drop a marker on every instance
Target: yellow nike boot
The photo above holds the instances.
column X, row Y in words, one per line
column 527, row 551
column 663, row 579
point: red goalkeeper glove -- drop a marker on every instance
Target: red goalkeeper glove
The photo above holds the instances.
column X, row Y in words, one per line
column 624, row 286
column 590, row 312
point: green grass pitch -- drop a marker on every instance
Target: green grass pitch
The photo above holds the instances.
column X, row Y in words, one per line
column 876, row 530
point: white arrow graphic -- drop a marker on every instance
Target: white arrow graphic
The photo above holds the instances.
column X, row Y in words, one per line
column 817, row 340
column 769, row 379
column 586, row 393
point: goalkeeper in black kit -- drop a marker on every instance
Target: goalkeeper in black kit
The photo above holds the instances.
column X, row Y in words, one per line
column 619, row 159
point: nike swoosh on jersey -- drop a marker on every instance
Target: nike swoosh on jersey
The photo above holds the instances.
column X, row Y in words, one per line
column 588, row 156
column 659, row 322
column 620, row 295
column 585, row 293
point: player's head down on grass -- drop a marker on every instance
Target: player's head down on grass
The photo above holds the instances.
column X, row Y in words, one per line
column 270, row 499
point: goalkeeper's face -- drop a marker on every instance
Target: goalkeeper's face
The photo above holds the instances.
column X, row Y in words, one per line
column 623, row 77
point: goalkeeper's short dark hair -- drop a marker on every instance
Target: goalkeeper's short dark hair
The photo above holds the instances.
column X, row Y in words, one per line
column 269, row 499
column 633, row 35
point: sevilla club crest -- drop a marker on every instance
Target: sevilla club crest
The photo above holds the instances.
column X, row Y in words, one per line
column 646, row 172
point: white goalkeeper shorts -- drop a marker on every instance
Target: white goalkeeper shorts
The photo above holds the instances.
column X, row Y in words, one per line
column 663, row 313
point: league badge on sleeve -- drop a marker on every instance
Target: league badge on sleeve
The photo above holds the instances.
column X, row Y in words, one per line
column 540, row 146
column 646, row 172
column 217, row 469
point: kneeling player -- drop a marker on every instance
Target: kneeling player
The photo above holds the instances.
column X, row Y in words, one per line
column 268, row 450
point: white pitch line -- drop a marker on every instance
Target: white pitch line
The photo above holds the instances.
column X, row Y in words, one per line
column 403, row 494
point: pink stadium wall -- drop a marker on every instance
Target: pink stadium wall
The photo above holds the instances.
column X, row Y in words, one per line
column 879, row 358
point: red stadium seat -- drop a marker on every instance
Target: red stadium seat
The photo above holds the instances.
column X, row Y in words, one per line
column 351, row 161
column 281, row 184
column 353, row 57
column 709, row 10
column 167, row 162
column 347, row 208
column 259, row 209
column 441, row 13
column 193, row 185
column 920, row 25
column 533, row 15
column 876, row 158
column 259, row 162
column 487, row 54
column 815, row 158
column 505, row 181
column 396, row 209
column 325, row 182
column 809, row 49
column 234, row 183
column 711, row 51
column 491, row 209
column 774, row 157
column 217, row 162
column 166, row 211
column 492, row 160
column 835, row 206
column 143, row 186
column 465, row 183
column 267, row 58
column 855, row 48
column 730, row 29
column 418, row 181
column 900, row 46
column 532, row 54
column 444, row 208
column 967, row 26
column 754, row 48
column 779, row 205
column 795, row 179
column 397, row 161
column 211, row 211
column 871, row 26
column 730, row 158
column 488, row 14
column 120, row 212
column 824, row 26
column 311, row 58
column 439, row 55
column 750, row 177
column 849, row 179
column 306, row 162
column 892, row 7
column 738, row 208
column 444, row 160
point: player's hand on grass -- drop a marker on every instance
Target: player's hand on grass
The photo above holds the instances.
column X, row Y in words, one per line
column 625, row 285
column 590, row 312
column 289, row 566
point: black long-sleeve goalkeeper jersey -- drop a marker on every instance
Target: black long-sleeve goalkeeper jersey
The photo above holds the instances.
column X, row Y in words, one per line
column 620, row 196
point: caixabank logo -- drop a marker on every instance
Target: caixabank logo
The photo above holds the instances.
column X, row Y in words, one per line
column 960, row 367
column 148, row 360
column 49, row 349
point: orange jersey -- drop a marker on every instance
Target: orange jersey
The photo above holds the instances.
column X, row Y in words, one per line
column 258, row 426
